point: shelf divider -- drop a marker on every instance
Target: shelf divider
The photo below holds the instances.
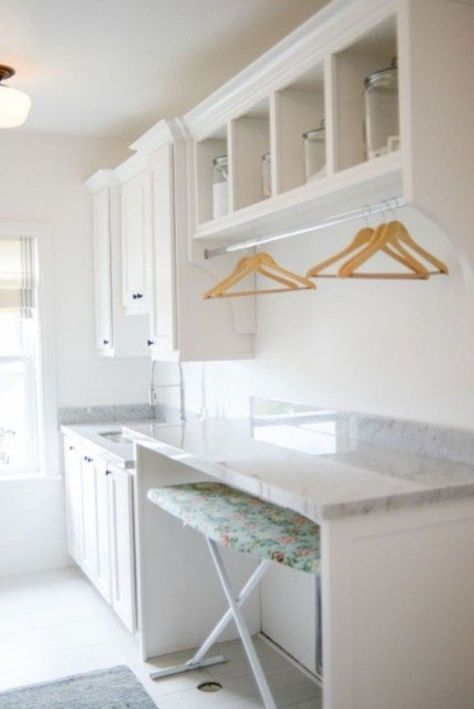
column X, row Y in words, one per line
column 295, row 113
column 249, row 139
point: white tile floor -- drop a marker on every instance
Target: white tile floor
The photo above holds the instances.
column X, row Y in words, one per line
column 55, row 624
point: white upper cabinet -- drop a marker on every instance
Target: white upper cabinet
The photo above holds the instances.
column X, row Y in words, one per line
column 116, row 334
column 312, row 79
column 150, row 279
column 103, row 272
column 163, row 335
column 136, row 240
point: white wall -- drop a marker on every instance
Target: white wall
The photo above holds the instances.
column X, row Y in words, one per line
column 32, row 526
column 400, row 348
column 41, row 180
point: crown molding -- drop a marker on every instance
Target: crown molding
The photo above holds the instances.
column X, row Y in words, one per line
column 306, row 46
column 132, row 166
column 166, row 131
column 101, row 179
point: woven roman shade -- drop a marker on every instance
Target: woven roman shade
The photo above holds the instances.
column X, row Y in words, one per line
column 17, row 286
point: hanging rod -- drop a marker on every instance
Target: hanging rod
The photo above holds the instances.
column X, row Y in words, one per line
column 359, row 213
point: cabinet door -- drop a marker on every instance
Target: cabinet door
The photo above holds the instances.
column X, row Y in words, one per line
column 96, row 556
column 89, row 518
column 102, row 270
column 163, row 314
column 122, row 546
column 136, row 243
column 73, row 499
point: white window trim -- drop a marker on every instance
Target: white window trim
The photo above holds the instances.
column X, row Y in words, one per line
column 48, row 443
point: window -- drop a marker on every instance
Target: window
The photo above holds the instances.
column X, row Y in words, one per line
column 19, row 372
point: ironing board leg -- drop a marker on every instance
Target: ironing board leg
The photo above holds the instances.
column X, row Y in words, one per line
column 242, row 628
column 197, row 660
column 253, row 581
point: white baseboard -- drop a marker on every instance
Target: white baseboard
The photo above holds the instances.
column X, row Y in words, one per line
column 33, row 557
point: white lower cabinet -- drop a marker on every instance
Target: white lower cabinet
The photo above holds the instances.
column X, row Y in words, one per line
column 100, row 526
column 89, row 519
column 73, row 500
column 122, row 546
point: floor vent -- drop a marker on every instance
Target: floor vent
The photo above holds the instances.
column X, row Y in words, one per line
column 209, row 687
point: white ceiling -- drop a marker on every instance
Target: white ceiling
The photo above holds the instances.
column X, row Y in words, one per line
column 114, row 67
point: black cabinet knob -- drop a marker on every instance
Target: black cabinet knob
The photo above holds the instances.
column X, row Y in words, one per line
column 139, row 295
column 108, row 472
column 71, row 448
column 105, row 342
column 87, row 459
column 150, row 342
column 134, row 296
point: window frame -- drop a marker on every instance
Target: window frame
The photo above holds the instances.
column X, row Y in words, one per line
column 46, row 398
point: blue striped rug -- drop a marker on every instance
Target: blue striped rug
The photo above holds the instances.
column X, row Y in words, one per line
column 115, row 688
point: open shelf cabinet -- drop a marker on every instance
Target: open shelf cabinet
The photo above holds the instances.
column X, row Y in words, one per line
column 208, row 150
column 320, row 88
column 349, row 67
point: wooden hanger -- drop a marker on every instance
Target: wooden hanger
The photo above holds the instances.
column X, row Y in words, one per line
column 403, row 234
column 390, row 235
column 264, row 264
column 363, row 238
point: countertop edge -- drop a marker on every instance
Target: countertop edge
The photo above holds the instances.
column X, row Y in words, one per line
column 318, row 512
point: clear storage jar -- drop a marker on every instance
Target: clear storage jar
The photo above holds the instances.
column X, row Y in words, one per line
column 382, row 130
column 266, row 175
column 315, row 152
column 220, row 186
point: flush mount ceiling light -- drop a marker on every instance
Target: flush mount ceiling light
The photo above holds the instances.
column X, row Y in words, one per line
column 14, row 104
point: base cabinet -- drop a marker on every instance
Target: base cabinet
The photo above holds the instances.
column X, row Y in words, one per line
column 122, row 546
column 100, row 527
column 73, row 500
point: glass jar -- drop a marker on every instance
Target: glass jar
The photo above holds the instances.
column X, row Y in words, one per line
column 266, row 175
column 315, row 152
column 382, row 131
column 220, row 186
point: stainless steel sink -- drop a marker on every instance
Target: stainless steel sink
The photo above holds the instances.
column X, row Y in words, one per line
column 115, row 437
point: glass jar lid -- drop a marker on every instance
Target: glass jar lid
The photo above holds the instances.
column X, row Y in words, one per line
column 390, row 72
column 220, row 161
column 315, row 132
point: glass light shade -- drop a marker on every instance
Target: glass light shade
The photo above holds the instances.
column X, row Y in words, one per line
column 14, row 107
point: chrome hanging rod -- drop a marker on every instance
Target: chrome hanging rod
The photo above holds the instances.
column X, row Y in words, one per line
column 360, row 213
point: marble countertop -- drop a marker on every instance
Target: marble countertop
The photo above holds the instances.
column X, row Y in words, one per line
column 308, row 463
column 120, row 453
